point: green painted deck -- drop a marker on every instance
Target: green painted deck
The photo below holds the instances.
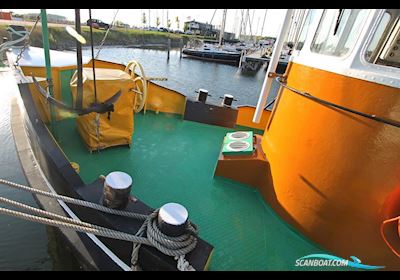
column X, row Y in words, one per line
column 172, row 160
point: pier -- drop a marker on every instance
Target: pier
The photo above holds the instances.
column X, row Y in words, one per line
column 253, row 60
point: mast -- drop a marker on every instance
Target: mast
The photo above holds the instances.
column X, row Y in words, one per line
column 93, row 60
column 262, row 28
column 221, row 33
column 272, row 66
column 235, row 23
column 251, row 24
column 79, row 96
column 241, row 23
column 258, row 21
column 46, row 48
column 246, row 15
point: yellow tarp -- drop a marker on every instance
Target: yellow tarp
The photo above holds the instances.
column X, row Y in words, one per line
column 97, row 130
column 40, row 101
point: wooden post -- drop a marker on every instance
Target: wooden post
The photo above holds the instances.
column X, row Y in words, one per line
column 241, row 57
column 169, row 46
column 181, row 47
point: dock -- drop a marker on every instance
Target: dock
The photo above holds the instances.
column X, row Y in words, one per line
column 253, row 60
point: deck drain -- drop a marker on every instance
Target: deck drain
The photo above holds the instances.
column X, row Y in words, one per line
column 238, row 146
column 239, row 135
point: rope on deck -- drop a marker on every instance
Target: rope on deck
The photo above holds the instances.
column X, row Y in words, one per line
column 148, row 234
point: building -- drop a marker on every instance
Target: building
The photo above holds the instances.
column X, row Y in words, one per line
column 199, row 28
column 205, row 29
column 6, row 15
column 50, row 18
column 228, row 36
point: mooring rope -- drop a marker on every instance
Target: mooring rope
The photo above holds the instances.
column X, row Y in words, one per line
column 75, row 201
column 93, row 229
column 148, row 234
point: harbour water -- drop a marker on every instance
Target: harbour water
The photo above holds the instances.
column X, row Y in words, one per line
column 187, row 75
column 28, row 246
column 23, row 245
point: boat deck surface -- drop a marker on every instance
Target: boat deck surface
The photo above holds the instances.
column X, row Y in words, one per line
column 172, row 160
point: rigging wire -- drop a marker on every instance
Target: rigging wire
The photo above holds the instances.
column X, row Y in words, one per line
column 105, row 35
column 213, row 16
column 330, row 104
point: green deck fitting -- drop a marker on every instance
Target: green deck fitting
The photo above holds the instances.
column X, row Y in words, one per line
column 227, row 150
column 172, row 160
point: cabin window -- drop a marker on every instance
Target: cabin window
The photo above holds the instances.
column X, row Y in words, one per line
column 304, row 30
column 384, row 48
column 338, row 31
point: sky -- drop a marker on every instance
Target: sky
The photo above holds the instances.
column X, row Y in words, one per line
column 273, row 19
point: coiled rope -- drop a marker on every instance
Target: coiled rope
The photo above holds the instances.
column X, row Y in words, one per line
column 148, row 234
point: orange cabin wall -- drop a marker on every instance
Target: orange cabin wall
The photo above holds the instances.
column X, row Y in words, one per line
column 331, row 170
column 245, row 117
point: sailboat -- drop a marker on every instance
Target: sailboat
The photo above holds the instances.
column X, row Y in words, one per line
column 215, row 53
column 301, row 186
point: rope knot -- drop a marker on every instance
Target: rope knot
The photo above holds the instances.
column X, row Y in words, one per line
column 183, row 265
column 176, row 247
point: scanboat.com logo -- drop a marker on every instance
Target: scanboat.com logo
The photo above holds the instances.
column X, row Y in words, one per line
column 329, row 260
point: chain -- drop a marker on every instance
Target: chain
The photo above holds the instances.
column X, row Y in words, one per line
column 26, row 42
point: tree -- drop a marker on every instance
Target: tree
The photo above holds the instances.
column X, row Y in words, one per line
column 119, row 23
column 144, row 19
column 158, row 21
column 169, row 24
column 177, row 22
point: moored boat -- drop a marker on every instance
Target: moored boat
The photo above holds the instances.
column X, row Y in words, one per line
column 213, row 54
